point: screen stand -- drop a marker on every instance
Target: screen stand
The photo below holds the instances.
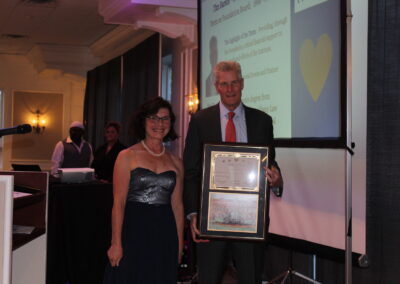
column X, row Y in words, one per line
column 282, row 277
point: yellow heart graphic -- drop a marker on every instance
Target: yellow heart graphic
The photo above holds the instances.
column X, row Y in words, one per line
column 315, row 64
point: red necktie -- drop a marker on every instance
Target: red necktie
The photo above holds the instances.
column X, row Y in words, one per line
column 230, row 131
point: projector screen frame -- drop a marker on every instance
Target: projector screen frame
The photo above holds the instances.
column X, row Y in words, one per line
column 306, row 247
column 339, row 142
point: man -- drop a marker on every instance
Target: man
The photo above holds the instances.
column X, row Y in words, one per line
column 73, row 152
column 213, row 125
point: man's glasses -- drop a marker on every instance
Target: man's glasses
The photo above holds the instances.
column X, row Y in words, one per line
column 226, row 85
column 155, row 119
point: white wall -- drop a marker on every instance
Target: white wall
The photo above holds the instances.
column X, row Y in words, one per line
column 18, row 74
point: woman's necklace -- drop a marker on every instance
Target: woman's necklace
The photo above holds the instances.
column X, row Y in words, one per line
column 151, row 152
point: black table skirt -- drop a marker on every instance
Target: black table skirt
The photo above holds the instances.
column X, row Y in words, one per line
column 79, row 232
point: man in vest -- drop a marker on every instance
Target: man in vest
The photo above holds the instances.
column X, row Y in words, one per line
column 73, row 152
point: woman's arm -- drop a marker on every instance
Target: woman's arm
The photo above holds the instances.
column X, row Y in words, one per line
column 177, row 205
column 120, row 191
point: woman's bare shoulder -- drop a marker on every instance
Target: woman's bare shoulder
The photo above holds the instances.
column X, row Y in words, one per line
column 130, row 150
column 128, row 153
column 177, row 162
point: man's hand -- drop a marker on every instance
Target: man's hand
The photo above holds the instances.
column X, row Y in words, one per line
column 273, row 176
column 195, row 231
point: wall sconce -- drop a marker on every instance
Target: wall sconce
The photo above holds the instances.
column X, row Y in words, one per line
column 38, row 123
column 192, row 102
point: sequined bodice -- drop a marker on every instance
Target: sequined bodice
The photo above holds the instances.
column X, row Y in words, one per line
column 149, row 187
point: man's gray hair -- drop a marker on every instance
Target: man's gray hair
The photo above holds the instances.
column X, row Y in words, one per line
column 225, row 66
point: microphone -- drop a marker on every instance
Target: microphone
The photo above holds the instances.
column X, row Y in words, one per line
column 19, row 129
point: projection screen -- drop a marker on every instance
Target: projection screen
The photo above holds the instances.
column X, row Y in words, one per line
column 293, row 58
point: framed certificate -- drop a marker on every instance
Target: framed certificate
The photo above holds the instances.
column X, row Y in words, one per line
column 234, row 196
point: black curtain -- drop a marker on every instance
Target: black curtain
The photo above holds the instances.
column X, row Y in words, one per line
column 102, row 99
column 383, row 164
column 140, row 77
column 113, row 95
column 383, row 136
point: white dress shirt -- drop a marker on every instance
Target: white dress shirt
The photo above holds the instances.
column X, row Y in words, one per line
column 239, row 120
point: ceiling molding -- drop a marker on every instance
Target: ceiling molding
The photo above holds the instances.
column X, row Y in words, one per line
column 173, row 18
column 185, row 15
column 171, row 3
column 69, row 59
column 15, row 45
column 75, row 54
column 187, row 33
column 118, row 41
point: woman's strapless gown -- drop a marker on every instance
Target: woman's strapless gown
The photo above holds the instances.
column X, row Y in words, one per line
column 149, row 236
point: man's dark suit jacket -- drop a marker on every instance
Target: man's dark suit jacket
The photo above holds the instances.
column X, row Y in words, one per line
column 205, row 127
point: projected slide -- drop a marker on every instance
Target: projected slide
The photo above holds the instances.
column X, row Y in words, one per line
column 290, row 57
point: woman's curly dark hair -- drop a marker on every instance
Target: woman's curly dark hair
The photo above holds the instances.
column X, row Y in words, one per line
column 151, row 107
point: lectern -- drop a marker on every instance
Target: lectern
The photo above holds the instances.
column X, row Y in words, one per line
column 6, row 210
column 28, row 226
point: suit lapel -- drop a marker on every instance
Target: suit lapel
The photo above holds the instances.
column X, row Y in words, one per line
column 214, row 124
column 250, row 125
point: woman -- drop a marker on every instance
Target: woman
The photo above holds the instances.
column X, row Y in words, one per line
column 147, row 214
column 105, row 155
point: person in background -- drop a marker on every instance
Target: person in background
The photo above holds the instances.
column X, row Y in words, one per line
column 147, row 215
column 73, row 152
column 105, row 155
column 228, row 121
